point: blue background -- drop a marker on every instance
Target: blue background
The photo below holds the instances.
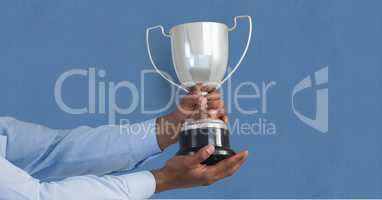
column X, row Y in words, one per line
column 41, row 39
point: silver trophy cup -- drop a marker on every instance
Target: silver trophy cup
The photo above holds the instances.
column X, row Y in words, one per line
column 200, row 55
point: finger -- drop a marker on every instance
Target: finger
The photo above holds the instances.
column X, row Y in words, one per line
column 196, row 89
column 225, row 165
column 202, row 106
column 190, row 99
column 208, row 89
column 217, row 104
column 213, row 114
column 216, row 114
column 201, row 155
column 203, row 101
column 225, row 119
column 188, row 104
column 213, row 96
column 230, row 171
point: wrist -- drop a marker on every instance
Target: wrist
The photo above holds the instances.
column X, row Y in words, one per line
column 162, row 180
column 167, row 129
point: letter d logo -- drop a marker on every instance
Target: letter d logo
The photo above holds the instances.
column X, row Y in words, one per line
column 321, row 121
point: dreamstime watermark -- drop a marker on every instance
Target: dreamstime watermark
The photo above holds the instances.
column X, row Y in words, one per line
column 102, row 98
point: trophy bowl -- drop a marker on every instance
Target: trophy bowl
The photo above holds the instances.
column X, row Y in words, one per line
column 200, row 56
column 200, row 52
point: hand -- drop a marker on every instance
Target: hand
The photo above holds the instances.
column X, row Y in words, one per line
column 169, row 126
column 215, row 106
column 186, row 171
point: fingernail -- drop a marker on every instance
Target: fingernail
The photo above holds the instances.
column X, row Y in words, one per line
column 246, row 154
column 210, row 149
column 213, row 112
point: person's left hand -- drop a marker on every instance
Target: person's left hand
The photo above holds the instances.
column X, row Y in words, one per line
column 168, row 126
column 186, row 171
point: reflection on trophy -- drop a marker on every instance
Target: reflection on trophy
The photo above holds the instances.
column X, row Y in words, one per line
column 200, row 56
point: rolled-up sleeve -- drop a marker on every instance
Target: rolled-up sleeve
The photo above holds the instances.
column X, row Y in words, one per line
column 50, row 154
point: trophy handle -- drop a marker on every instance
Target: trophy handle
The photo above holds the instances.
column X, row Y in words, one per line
column 246, row 47
column 151, row 59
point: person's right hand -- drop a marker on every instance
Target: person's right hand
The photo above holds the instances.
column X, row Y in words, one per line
column 186, row 171
column 169, row 126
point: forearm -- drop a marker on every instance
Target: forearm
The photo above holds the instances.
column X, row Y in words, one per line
column 140, row 185
column 17, row 184
column 55, row 154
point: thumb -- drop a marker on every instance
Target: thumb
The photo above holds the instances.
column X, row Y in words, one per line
column 202, row 154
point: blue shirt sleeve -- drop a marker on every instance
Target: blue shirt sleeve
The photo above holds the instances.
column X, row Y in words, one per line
column 50, row 154
column 16, row 184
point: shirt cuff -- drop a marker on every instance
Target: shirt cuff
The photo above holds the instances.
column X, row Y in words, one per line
column 141, row 185
column 3, row 145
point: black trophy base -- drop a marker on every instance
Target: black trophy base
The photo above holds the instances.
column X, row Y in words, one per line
column 219, row 155
column 193, row 138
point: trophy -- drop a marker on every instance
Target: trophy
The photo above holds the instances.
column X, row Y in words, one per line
column 200, row 56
